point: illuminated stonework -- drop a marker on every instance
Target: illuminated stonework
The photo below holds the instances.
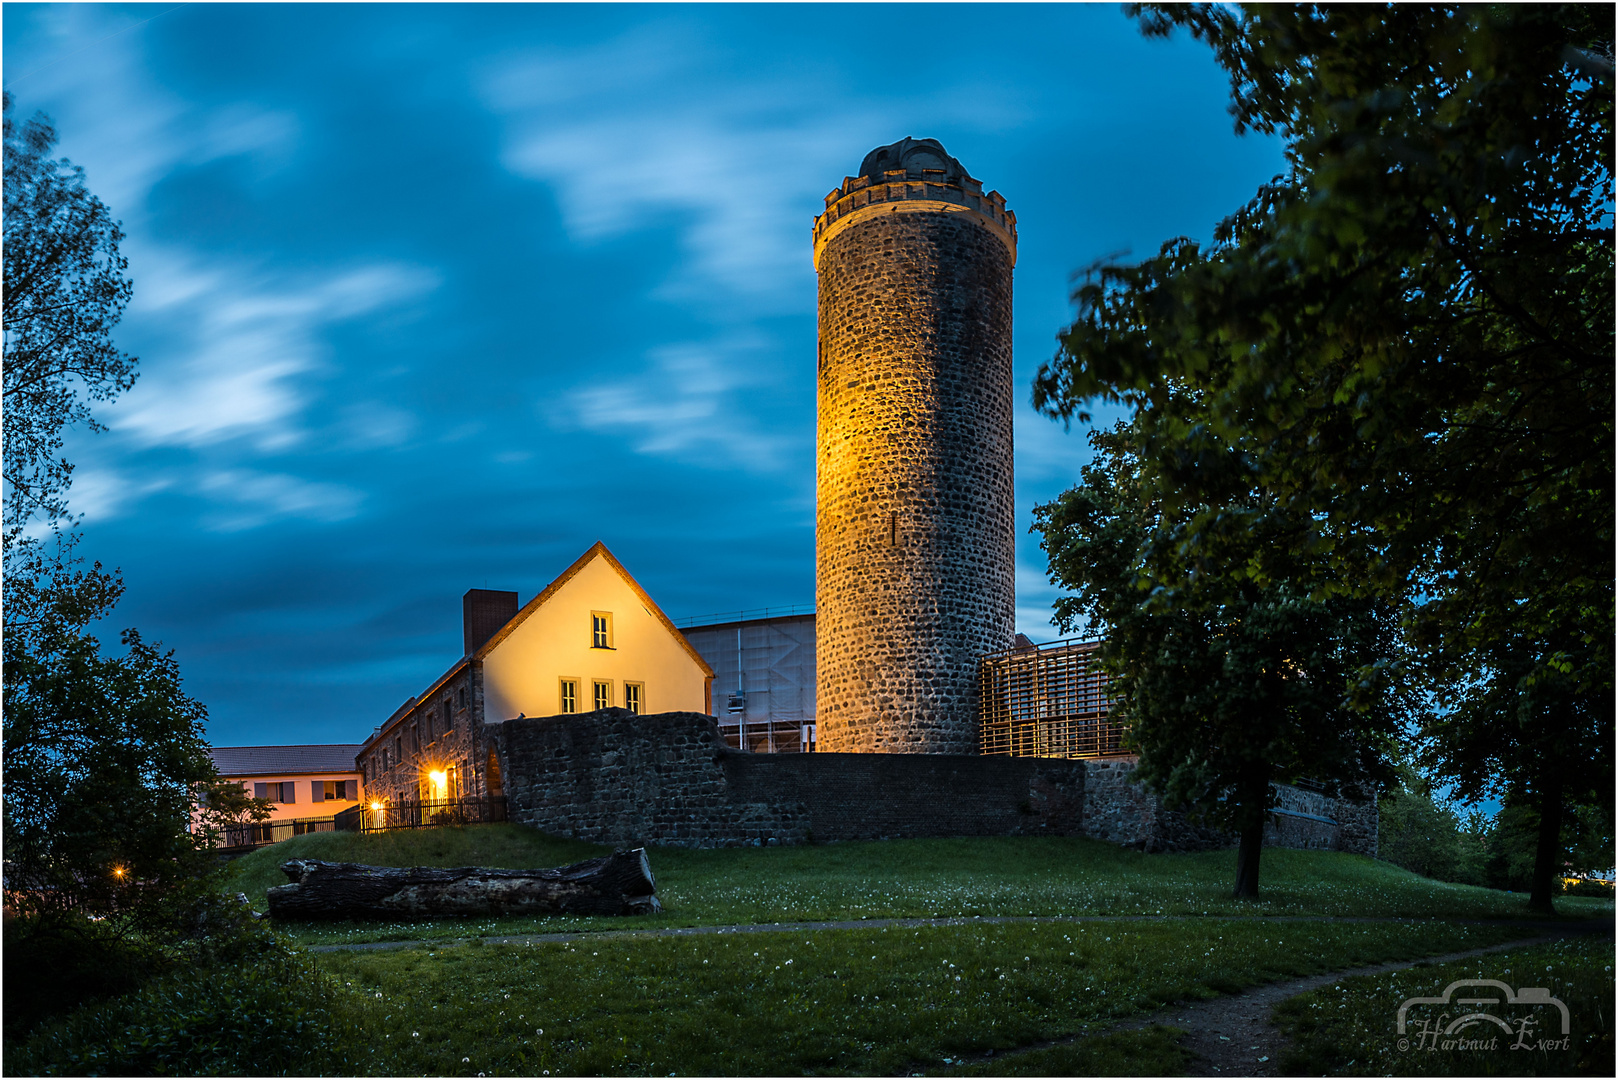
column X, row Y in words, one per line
column 914, row 530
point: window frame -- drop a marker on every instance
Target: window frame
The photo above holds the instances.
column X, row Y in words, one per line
column 601, row 633
column 596, row 695
column 567, row 695
column 639, row 688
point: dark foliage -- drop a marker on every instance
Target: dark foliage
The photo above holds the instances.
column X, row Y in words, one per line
column 268, row 1011
column 1229, row 668
column 1406, row 343
column 65, row 290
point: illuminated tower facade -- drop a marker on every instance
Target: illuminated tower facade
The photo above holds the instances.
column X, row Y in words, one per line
column 914, row 529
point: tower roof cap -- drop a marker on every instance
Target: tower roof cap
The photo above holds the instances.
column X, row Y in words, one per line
column 916, row 157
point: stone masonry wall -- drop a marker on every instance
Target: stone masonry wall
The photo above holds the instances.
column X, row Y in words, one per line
column 914, row 525
column 614, row 777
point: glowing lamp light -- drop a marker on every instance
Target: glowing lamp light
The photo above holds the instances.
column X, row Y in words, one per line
column 118, row 871
column 376, row 806
column 440, row 784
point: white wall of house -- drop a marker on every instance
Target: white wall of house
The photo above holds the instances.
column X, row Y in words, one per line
column 523, row 671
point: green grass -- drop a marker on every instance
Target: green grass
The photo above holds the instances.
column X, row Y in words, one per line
column 1349, row 1029
column 897, row 878
column 871, row 1001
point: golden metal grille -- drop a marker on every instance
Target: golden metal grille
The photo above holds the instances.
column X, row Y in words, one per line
column 1046, row 701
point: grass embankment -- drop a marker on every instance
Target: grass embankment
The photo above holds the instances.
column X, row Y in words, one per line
column 898, row 879
column 1350, row 1028
column 863, row 1002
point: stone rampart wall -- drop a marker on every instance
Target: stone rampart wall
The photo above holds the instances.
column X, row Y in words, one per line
column 616, row 778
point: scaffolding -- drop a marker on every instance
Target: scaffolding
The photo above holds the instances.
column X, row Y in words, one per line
column 1047, row 701
column 764, row 680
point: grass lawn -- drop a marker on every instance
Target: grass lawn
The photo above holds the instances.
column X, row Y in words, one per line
column 896, row 878
column 870, row 1001
column 1349, row 1029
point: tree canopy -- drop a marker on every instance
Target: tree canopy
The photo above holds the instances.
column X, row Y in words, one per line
column 1230, row 669
column 106, row 765
column 1406, row 343
column 65, row 291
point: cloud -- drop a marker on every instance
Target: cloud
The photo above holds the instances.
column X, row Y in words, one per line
column 1035, row 595
column 740, row 161
column 693, row 400
column 239, row 345
column 267, row 498
column 101, row 494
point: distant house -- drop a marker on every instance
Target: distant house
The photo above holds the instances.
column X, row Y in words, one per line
column 592, row 639
column 306, row 785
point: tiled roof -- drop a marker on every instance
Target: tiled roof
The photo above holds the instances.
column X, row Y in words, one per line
column 284, row 760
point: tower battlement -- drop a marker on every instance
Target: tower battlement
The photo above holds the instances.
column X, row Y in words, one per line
column 912, row 176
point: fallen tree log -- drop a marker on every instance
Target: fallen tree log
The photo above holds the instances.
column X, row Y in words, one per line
column 616, row 884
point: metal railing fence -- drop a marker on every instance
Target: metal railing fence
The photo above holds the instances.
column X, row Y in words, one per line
column 270, row 832
column 1046, row 701
column 423, row 815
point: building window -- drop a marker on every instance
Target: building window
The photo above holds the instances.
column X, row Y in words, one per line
column 281, row 791
column 460, row 697
column 385, row 764
column 603, row 694
column 398, row 750
column 634, row 699
column 570, row 695
column 333, row 790
column 449, row 715
column 600, row 629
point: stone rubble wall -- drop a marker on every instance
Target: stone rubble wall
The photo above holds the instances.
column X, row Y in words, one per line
column 612, row 777
column 915, row 522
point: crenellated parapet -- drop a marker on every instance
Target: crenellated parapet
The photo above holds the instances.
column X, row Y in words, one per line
column 923, row 178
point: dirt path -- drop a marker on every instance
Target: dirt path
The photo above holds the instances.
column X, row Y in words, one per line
column 1235, row 1035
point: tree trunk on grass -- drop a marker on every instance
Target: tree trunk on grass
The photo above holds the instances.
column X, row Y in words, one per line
column 1548, row 851
column 1255, row 793
column 616, row 884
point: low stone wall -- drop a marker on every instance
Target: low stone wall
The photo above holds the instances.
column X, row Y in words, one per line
column 617, row 778
column 883, row 796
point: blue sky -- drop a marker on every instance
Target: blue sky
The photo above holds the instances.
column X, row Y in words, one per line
column 430, row 298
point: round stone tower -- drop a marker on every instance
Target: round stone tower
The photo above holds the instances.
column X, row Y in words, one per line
column 914, row 531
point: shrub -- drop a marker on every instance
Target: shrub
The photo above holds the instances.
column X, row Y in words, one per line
column 270, row 1014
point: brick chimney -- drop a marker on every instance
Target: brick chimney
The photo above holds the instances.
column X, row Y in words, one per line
column 483, row 612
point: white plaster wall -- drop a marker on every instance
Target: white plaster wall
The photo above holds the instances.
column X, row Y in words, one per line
column 523, row 673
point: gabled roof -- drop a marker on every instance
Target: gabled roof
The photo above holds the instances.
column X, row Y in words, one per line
column 234, row 761
column 598, row 551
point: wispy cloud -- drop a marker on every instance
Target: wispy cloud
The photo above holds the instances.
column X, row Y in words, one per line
column 740, row 161
column 691, row 399
column 247, row 342
column 253, row 499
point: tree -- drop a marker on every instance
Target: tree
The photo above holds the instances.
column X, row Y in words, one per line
column 1228, row 682
column 1409, row 338
column 65, row 291
column 105, row 759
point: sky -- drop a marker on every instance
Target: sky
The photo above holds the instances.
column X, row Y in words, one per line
column 433, row 297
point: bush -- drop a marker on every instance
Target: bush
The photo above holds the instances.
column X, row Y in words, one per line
column 54, row 966
column 271, row 1014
